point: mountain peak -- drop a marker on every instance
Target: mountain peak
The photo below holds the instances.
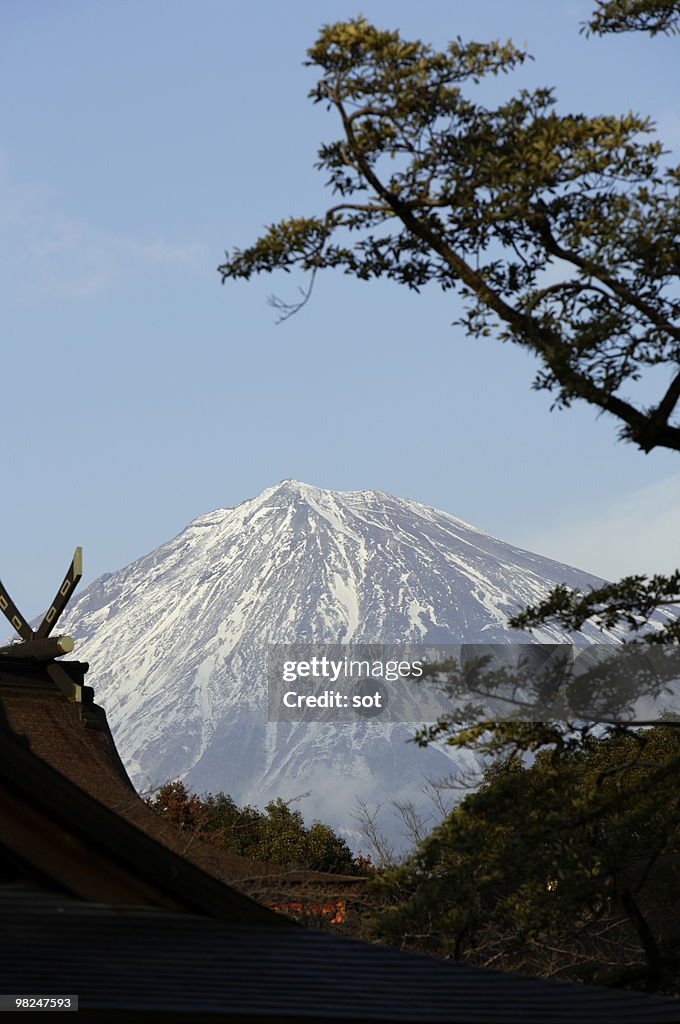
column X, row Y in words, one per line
column 177, row 641
column 291, row 486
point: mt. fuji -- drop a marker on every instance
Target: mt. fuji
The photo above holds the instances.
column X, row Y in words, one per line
column 177, row 640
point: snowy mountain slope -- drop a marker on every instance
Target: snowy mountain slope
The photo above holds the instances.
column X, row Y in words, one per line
column 177, row 640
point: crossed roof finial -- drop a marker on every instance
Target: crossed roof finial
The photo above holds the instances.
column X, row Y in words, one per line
column 37, row 643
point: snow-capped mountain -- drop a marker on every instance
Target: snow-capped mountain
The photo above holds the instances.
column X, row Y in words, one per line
column 177, row 640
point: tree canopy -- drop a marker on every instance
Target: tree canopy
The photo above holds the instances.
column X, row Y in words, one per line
column 568, row 867
column 560, row 231
column 651, row 16
column 277, row 835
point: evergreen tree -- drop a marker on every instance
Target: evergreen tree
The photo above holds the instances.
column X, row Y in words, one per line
column 433, row 186
column 567, row 867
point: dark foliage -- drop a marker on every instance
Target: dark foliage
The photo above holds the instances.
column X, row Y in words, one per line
column 277, row 835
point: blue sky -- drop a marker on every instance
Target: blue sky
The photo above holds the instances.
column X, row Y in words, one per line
column 138, row 140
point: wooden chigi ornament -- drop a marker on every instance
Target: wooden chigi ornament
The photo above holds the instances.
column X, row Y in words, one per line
column 38, row 644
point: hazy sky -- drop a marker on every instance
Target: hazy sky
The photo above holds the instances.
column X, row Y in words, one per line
column 138, row 140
